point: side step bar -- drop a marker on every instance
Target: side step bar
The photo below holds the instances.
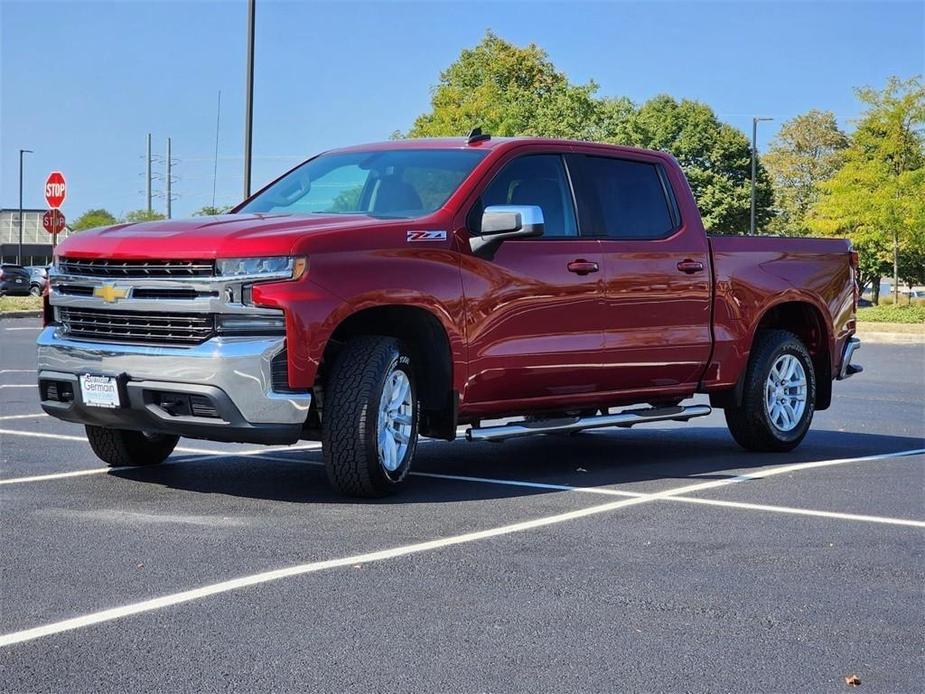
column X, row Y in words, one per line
column 626, row 418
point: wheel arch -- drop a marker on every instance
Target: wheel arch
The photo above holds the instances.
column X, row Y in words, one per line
column 426, row 337
column 805, row 319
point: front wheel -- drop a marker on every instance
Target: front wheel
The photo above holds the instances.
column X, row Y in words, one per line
column 779, row 396
column 370, row 419
column 120, row 447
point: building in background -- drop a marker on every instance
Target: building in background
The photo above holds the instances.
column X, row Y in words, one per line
column 36, row 242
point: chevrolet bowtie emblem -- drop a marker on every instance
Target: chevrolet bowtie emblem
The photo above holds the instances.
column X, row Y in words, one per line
column 110, row 293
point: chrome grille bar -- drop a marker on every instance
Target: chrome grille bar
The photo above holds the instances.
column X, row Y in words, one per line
column 137, row 327
column 104, row 267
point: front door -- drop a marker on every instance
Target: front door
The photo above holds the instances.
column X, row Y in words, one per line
column 533, row 309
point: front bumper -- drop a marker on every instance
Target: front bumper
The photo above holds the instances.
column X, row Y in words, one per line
column 231, row 375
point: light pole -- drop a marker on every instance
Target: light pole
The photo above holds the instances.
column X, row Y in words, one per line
column 249, row 98
column 754, row 167
column 19, row 254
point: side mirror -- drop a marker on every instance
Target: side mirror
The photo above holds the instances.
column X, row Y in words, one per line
column 503, row 222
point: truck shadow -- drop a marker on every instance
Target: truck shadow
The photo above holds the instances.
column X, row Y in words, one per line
column 637, row 460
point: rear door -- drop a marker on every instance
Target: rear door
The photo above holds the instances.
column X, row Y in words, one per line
column 533, row 308
column 656, row 320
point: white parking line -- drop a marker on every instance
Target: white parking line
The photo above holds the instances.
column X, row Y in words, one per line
column 35, row 327
column 23, row 416
column 17, row 371
column 395, row 552
column 21, row 385
column 887, row 520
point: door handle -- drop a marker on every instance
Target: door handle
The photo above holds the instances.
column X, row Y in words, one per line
column 582, row 267
column 690, row 266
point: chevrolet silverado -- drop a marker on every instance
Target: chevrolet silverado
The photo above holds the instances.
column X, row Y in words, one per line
column 377, row 293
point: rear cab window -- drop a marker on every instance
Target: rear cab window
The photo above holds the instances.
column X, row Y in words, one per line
column 625, row 198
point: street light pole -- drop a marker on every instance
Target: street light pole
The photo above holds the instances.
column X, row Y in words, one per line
column 249, row 98
column 751, row 228
column 19, row 254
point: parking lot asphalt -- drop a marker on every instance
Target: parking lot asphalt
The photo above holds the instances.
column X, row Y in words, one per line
column 661, row 558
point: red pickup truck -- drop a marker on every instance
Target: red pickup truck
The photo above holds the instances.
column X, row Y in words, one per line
column 380, row 292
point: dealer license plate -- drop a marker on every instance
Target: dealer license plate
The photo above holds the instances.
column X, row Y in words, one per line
column 99, row 391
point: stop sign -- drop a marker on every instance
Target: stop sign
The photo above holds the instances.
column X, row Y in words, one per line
column 55, row 189
column 53, row 221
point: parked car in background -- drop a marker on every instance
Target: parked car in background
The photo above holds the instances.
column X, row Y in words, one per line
column 38, row 279
column 15, row 280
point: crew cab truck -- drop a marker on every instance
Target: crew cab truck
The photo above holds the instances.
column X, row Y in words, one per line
column 377, row 293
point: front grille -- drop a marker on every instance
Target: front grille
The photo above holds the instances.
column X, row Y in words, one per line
column 170, row 293
column 137, row 268
column 137, row 327
column 74, row 290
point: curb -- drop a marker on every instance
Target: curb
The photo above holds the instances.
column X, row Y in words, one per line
column 20, row 314
column 887, row 338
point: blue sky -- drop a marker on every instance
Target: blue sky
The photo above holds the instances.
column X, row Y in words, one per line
column 81, row 83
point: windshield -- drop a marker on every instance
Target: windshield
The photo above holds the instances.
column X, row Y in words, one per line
column 388, row 183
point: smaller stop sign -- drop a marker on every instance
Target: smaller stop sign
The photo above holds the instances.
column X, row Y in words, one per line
column 55, row 189
column 53, row 221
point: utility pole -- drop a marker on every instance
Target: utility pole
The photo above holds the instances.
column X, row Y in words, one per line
column 148, row 173
column 19, row 253
column 249, row 98
column 167, row 165
column 218, row 123
column 754, row 167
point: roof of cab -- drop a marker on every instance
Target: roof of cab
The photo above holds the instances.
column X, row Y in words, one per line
column 487, row 144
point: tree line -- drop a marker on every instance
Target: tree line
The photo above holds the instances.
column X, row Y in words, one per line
column 816, row 178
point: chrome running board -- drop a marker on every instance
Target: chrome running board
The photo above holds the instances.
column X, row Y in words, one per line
column 626, row 418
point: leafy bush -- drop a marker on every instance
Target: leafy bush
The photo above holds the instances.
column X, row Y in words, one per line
column 893, row 314
column 20, row 303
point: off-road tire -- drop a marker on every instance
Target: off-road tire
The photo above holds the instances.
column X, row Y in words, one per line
column 749, row 423
column 122, row 448
column 349, row 425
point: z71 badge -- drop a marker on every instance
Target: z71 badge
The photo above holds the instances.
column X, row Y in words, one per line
column 426, row 236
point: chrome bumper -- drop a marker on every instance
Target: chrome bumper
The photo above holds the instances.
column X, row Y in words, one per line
column 232, row 373
column 847, row 369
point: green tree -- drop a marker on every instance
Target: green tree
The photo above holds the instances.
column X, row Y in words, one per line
column 92, row 219
column 143, row 216
column 211, row 211
column 509, row 90
column 807, row 150
column 715, row 157
column 512, row 90
column 877, row 198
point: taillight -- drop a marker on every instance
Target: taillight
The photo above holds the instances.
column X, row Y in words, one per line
column 1, row 273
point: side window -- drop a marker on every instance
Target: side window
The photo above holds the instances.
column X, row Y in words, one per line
column 629, row 196
column 536, row 179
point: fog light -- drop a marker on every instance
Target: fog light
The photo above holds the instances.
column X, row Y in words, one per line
column 232, row 324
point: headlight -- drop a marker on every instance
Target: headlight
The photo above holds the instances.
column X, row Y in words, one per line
column 273, row 267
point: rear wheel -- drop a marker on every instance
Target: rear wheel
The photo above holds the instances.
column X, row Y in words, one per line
column 370, row 419
column 119, row 447
column 779, row 396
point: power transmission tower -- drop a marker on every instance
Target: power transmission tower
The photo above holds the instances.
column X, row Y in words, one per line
column 168, row 179
column 148, row 174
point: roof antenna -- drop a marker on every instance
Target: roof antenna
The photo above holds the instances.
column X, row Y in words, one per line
column 476, row 135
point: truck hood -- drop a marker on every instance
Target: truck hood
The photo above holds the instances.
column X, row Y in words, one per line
column 223, row 236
